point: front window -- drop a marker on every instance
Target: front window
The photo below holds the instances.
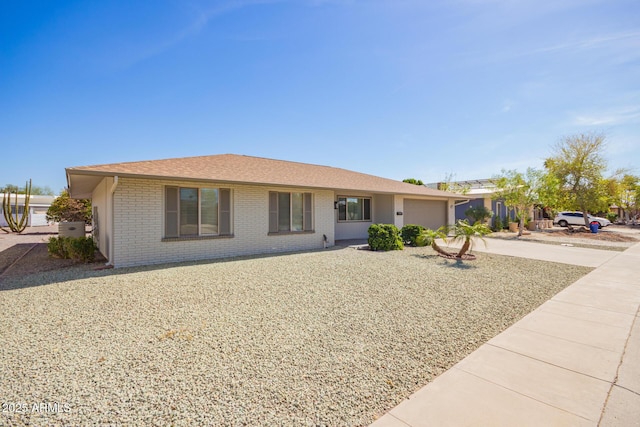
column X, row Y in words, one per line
column 193, row 212
column 354, row 209
column 189, row 211
column 290, row 212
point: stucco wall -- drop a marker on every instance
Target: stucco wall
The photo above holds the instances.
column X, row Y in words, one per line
column 346, row 230
column 383, row 212
column 139, row 225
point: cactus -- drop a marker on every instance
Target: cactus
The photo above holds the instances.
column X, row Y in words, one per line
column 16, row 224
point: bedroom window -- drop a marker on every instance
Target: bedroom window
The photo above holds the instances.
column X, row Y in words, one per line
column 290, row 212
column 354, row 209
column 192, row 212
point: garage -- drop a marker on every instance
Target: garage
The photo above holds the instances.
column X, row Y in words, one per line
column 427, row 213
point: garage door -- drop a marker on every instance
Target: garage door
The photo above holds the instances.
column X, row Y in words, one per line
column 428, row 213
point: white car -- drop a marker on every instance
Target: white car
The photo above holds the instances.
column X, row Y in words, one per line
column 575, row 218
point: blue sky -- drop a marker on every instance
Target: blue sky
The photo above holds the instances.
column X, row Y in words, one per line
column 395, row 88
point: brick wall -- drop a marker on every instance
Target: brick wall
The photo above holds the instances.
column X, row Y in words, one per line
column 139, row 225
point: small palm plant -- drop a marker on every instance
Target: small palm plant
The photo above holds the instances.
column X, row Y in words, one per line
column 467, row 232
column 428, row 237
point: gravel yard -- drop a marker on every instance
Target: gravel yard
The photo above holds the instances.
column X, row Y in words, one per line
column 613, row 237
column 334, row 337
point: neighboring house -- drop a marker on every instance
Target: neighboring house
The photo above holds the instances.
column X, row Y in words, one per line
column 38, row 206
column 478, row 192
column 229, row 205
column 481, row 192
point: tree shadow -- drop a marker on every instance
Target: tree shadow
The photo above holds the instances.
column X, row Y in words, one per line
column 459, row 264
column 449, row 263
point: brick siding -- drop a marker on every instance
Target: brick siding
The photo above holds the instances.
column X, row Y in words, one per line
column 139, row 224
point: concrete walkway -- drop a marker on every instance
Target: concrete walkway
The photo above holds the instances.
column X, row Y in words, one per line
column 574, row 361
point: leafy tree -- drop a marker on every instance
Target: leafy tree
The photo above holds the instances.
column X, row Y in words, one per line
column 64, row 208
column 42, row 191
column 578, row 164
column 413, row 181
column 624, row 192
column 520, row 191
column 35, row 190
column 11, row 188
column 548, row 191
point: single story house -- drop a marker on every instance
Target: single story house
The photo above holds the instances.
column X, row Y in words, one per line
column 38, row 206
column 227, row 205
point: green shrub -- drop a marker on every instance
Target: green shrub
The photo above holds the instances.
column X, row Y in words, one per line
column 410, row 233
column 478, row 213
column 78, row 249
column 56, row 247
column 497, row 223
column 384, row 237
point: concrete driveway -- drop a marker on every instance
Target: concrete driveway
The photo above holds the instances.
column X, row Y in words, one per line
column 541, row 251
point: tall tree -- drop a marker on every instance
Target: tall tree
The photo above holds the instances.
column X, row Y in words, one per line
column 520, row 191
column 623, row 190
column 578, row 164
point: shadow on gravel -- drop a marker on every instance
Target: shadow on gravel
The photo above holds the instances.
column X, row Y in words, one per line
column 39, row 269
column 458, row 264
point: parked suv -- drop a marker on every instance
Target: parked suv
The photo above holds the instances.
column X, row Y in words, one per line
column 575, row 218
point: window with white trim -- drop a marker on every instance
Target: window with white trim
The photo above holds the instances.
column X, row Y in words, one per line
column 354, row 209
column 193, row 211
column 290, row 212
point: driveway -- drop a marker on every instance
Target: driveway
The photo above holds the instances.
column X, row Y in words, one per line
column 544, row 252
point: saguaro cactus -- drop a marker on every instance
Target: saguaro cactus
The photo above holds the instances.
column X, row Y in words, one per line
column 15, row 223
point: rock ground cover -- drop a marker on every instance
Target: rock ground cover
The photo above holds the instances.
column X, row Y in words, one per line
column 615, row 238
column 334, row 337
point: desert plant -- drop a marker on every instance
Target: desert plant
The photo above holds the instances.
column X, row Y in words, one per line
column 462, row 230
column 410, row 233
column 478, row 213
column 384, row 237
column 75, row 248
column 16, row 224
column 429, row 237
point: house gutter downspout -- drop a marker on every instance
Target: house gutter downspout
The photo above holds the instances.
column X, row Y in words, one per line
column 112, row 220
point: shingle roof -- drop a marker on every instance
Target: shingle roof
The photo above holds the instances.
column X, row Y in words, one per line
column 232, row 168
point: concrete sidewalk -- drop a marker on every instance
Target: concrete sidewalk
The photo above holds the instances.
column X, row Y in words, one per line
column 574, row 361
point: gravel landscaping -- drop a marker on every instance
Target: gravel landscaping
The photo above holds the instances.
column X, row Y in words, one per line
column 334, row 337
column 612, row 238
